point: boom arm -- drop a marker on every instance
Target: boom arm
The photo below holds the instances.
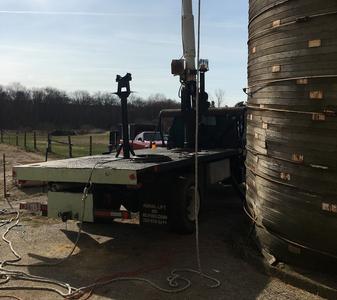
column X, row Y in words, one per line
column 187, row 70
column 188, row 37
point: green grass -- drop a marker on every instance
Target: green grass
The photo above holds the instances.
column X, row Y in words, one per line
column 80, row 143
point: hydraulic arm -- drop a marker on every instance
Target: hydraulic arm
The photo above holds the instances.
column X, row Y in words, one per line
column 187, row 71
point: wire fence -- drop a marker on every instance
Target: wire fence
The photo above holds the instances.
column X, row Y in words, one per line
column 66, row 146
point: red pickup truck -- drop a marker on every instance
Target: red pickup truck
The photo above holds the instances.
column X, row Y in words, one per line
column 146, row 139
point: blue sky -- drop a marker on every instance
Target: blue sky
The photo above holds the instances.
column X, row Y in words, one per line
column 83, row 44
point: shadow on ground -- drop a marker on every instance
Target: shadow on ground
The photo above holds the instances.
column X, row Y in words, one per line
column 110, row 249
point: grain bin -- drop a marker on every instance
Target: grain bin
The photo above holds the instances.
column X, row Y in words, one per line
column 292, row 127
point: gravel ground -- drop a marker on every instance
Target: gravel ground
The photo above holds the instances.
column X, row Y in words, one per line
column 108, row 250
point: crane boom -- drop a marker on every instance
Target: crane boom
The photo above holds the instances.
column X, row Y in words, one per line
column 187, row 69
column 188, row 35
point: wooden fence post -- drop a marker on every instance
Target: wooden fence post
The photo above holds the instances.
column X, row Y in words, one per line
column 90, row 145
column 4, row 171
column 25, row 139
column 48, row 148
column 70, row 147
column 113, row 140
column 110, row 142
column 49, row 143
column 17, row 139
column 34, row 142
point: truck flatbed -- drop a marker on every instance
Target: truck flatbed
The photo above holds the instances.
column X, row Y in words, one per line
column 112, row 170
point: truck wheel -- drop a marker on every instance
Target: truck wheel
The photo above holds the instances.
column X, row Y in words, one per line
column 182, row 212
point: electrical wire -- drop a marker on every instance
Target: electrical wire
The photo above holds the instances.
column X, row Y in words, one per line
column 196, row 161
column 175, row 276
column 85, row 194
column 8, row 274
column 174, row 280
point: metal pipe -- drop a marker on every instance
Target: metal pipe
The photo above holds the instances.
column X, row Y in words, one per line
column 125, row 123
column 123, row 92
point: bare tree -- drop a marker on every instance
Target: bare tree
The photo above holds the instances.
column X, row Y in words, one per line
column 157, row 97
column 219, row 96
column 50, row 108
column 82, row 97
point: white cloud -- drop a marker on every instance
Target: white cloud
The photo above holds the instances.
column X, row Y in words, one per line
column 71, row 13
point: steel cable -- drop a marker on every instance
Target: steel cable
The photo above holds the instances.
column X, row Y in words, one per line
column 297, row 20
column 196, row 165
column 260, row 225
column 263, row 84
column 172, row 280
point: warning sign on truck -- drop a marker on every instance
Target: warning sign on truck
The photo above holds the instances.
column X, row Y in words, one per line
column 154, row 214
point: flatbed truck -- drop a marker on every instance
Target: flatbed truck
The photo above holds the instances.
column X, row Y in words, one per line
column 157, row 183
column 160, row 183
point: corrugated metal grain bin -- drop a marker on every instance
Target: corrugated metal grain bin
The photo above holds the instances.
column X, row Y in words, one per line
column 292, row 127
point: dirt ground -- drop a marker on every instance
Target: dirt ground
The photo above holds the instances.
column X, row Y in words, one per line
column 106, row 250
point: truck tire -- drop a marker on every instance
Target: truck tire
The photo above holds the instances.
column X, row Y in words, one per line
column 182, row 213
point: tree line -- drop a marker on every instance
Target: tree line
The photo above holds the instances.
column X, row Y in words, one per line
column 50, row 108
